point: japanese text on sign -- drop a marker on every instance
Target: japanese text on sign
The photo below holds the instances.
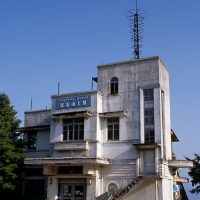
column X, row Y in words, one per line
column 73, row 102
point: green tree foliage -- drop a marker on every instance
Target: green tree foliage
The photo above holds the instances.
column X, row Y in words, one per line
column 194, row 173
column 11, row 157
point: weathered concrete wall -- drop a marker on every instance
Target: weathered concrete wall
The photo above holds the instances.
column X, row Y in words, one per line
column 143, row 191
column 166, row 125
column 43, row 140
column 121, row 172
column 37, row 118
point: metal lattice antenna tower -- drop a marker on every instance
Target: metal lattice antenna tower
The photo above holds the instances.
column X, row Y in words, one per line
column 136, row 18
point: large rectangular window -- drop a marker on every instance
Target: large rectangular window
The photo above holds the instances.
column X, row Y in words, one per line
column 73, row 129
column 147, row 162
column 149, row 116
column 113, row 128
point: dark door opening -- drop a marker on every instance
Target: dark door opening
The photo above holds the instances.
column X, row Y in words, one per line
column 72, row 190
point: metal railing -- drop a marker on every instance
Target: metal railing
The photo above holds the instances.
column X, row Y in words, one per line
column 116, row 193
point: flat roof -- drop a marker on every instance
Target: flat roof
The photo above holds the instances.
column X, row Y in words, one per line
column 37, row 111
column 133, row 61
column 76, row 93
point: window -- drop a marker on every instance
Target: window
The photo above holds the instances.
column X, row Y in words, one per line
column 112, row 187
column 149, row 116
column 147, row 162
column 70, row 170
column 73, row 129
column 149, row 135
column 148, row 94
column 31, row 140
column 113, row 129
column 114, row 85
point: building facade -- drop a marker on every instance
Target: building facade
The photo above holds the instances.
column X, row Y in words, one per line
column 111, row 143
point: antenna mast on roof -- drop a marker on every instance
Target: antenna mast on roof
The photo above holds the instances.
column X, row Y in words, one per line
column 136, row 18
column 58, row 88
column 31, row 107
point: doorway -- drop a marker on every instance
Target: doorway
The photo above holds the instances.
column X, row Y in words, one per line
column 72, row 190
column 147, row 165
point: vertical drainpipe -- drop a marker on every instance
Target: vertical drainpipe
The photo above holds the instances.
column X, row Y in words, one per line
column 156, row 190
column 138, row 166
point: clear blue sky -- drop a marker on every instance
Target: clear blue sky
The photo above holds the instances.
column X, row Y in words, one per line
column 43, row 42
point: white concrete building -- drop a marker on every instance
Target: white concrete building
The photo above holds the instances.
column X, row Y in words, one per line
column 111, row 143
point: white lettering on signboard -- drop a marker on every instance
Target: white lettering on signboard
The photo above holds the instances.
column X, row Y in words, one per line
column 72, row 102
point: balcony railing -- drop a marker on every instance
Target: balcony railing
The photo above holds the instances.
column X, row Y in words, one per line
column 117, row 193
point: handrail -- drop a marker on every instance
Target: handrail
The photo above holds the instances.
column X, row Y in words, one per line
column 114, row 194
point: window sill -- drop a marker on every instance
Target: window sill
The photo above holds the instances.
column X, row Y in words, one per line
column 147, row 145
column 113, row 141
column 71, row 145
column 121, row 113
column 113, row 95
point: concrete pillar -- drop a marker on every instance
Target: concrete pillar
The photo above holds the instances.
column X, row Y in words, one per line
column 52, row 188
column 90, row 187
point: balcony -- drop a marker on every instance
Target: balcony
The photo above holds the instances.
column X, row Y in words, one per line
column 67, row 161
column 180, row 163
column 143, row 146
column 71, row 146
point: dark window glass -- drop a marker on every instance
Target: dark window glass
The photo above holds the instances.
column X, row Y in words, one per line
column 79, row 191
column 113, row 129
column 33, row 171
column 31, row 140
column 148, row 94
column 70, row 170
column 149, row 116
column 114, row 84
column 149, row 136
column 73, row 129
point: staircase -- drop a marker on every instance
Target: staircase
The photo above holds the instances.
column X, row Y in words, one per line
column 115, row 194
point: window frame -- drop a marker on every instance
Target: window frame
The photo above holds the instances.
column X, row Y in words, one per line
column 73, row 129
column 113, row 129
column 149, row 136
column 31, row 140
column 149, row 117
column 148, row 94
column 114, row 86
column 147, row 162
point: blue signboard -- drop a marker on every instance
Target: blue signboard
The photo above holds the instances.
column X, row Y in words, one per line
column 73, row 102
